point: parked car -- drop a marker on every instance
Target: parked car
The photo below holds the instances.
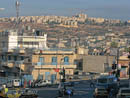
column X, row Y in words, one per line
column 108, row 85
column 14, row 83
column 69, row 83
column 28, row 93
column 41, row 83
column 124, row 93
column 48, row 82
column 109, row 82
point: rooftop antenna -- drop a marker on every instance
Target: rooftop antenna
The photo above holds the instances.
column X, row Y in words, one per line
column 17, row 5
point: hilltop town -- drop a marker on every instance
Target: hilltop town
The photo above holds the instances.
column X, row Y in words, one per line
column 91, row 33
column 56, row 49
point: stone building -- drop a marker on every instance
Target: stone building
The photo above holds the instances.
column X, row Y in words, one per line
column 41, row 64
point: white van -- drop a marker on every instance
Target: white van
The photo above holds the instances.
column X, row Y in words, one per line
column 14, row 83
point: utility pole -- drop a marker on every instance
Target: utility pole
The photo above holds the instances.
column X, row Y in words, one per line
column 117, row 65
column 117, row 72
column 117, row 57
column 63, row 80
column 129, row 66
column 60, row 67
column 20, row 71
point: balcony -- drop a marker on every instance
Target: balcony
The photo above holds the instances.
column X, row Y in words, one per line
column 5, row 50
column 8, row 64
column 51, row 66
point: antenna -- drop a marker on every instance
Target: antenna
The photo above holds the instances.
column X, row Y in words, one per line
column 17, row 5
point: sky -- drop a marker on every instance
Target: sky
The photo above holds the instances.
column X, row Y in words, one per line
column 114, row 9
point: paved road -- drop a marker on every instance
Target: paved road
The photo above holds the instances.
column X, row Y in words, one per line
column 81, row 90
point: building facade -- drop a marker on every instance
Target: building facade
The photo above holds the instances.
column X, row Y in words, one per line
column 124, row 66
column 11, row 40
column 41, row 64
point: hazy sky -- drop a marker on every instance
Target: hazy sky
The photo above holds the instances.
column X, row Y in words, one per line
column 116, row 9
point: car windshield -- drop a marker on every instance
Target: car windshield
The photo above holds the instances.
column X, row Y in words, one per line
column 101, row 89
column 16, row 80
column 126, row 97
column 102, row 80
column 12, row 92
column 125, row 91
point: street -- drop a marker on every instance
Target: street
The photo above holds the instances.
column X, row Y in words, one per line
column 81, row 90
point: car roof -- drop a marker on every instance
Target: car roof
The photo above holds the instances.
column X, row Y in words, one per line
column 106, row 77
column 100, row 87
column 124, row 88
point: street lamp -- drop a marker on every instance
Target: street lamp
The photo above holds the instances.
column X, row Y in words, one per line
column 117, row 67
column 40, row 63
column 20, row 72
column 60, row 67
column 129, row 66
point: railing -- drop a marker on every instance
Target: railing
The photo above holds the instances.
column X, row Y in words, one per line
column 54, row 63
column 58, row 49
column 50, row 65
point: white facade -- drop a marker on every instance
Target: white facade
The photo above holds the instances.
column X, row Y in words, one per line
column 12, row 42
column 9, row 40
column 38, row 42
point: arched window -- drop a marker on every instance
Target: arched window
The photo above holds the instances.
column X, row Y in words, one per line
column 54, row 60
column 66, row 60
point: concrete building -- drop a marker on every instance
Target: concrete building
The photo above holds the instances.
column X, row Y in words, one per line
column 11, row 40
column 98, row 64
column 94, row 63
column 124, row 66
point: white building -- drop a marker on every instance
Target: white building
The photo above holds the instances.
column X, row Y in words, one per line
column 10, row 40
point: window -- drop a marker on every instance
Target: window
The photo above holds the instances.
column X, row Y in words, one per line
column 22, row 58
column 54, row 60
column 40, row 77
column 125, row 91
column 3, row 58
column 41, row 61
column 15, row 58
column 66, row 60
column 3, row 44
column 103, row 80
column 9, row 57
column 111, row 80
column 47, row 75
